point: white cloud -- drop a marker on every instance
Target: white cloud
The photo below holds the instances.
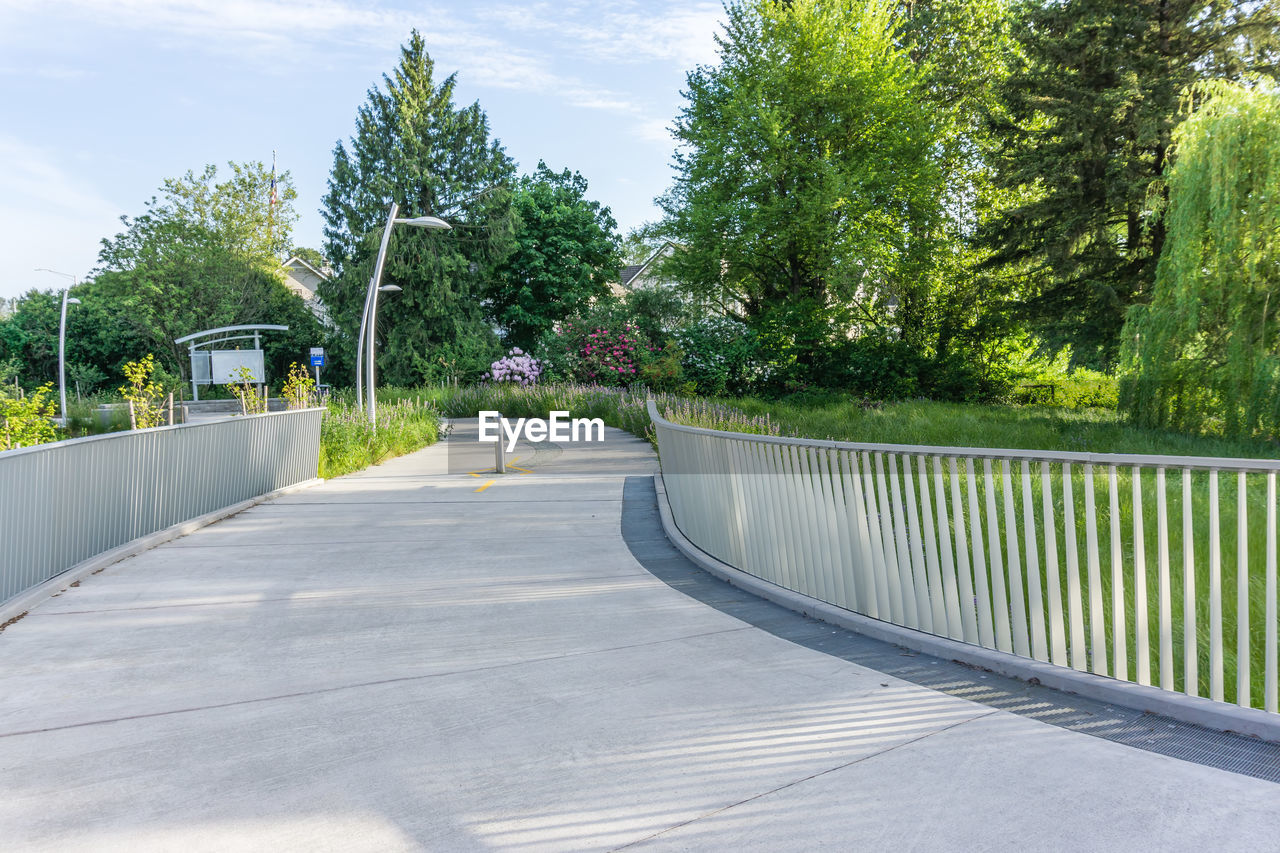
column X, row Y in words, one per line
column 47, row 219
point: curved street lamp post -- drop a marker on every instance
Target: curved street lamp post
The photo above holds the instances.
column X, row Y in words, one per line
column 67, row 299
column 368, row 319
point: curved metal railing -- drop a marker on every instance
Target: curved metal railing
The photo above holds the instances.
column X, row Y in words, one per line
column 1129, row 566
column 65, row 502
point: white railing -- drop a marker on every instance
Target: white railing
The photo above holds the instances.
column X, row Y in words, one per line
column 1135, row 567
column 63, row 503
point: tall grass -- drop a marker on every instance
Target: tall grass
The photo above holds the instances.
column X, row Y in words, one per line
column 349, row 443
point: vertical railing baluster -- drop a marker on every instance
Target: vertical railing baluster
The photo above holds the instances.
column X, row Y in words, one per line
column 1166, row 589
column 1243, row 698
column 844, row 578
column 1097, row 621
column 1057, row 630
column 1021, row 646
column 986, row 630
column 1000, row 599
column 1215, row 591
column 907, row 585
column 866, row 570
column 919, row 572
column 968, row 620
column 1141, row 633
column 937, row 596
column 955, row 627
column 863, row 589
column 892, row 572
column 1035, row 595
column 1190, row 652
column 877, row 541
column 1270, row 701
column 1119, row 631
column 1074, row 596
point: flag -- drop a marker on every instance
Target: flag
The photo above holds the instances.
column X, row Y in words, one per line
column 274, row 196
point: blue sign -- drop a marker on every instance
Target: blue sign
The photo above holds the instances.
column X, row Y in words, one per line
column 317, row 357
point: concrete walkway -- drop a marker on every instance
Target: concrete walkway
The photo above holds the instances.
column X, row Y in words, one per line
column 396, row 661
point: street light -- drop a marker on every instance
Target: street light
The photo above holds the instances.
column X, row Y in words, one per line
column 373, row 323
column 67, row 299
column 371, row 301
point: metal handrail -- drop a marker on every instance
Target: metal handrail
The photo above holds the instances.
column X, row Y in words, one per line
column 1202, row 463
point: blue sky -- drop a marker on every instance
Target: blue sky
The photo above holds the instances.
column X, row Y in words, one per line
column 100, row 100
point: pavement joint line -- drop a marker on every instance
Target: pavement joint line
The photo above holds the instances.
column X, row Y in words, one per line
column 339, row 596
column 338, row 688
column 808, row 778
column 419, row 503
column 383, row 539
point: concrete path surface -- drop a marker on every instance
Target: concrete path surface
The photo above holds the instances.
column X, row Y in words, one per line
column 397, row 661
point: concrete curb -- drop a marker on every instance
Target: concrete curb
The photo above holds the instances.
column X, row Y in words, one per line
column 1191, row 709
column 20, row 604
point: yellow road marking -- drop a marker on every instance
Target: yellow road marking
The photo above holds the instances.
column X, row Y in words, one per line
column 486, row 485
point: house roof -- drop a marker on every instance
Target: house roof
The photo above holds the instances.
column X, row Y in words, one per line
column 297, row 260
column 634, row 271
column 629, row 273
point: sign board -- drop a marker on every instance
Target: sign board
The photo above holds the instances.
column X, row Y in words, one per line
column 226, row 364
column 317, row 356
column 200, row 369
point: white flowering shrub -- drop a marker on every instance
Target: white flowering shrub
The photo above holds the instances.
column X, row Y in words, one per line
column 516, row 367
column 721, row 355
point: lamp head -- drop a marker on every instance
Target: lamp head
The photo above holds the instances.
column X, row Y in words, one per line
column 426, row 222
column 73, row 301
column 390, row 288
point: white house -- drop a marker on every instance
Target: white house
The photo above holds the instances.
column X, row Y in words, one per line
column 304, row 280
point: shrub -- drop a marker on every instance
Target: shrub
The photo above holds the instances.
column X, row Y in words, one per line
column 516, row 367
column 27, row 420
column 143, row 393
column 663, row 371
column 721, row 356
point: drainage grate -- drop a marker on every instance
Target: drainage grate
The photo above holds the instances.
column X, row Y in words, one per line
column 642, row 531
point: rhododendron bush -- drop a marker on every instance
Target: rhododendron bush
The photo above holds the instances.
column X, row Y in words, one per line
column 517, row 367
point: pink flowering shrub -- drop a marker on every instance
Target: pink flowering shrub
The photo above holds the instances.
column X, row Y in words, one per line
column 611, row 356
column 516, row 367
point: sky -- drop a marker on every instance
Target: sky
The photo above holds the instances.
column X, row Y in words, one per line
column 101, row 100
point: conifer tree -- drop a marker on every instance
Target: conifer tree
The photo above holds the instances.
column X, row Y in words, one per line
column 1087, row 118
column 414, row 147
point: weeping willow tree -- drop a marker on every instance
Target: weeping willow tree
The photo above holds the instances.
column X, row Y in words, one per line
column 1204, row 356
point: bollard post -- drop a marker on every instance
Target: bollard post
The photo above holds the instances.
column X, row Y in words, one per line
column 499, row 453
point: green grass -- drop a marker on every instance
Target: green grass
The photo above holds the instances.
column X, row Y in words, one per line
column 348, row 442
column 970, row 425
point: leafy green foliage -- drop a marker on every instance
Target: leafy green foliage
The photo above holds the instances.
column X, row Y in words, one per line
column 721, row 356
column 206, row 254
column 1088, row 118
column 806, row 160
column 144, row 394
column 26, row 420
column 566, row 252
column 1203, row 356
column 413, row 147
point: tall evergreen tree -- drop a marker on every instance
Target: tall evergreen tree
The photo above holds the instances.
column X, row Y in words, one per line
column 1087, row 118
column 412, row 146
